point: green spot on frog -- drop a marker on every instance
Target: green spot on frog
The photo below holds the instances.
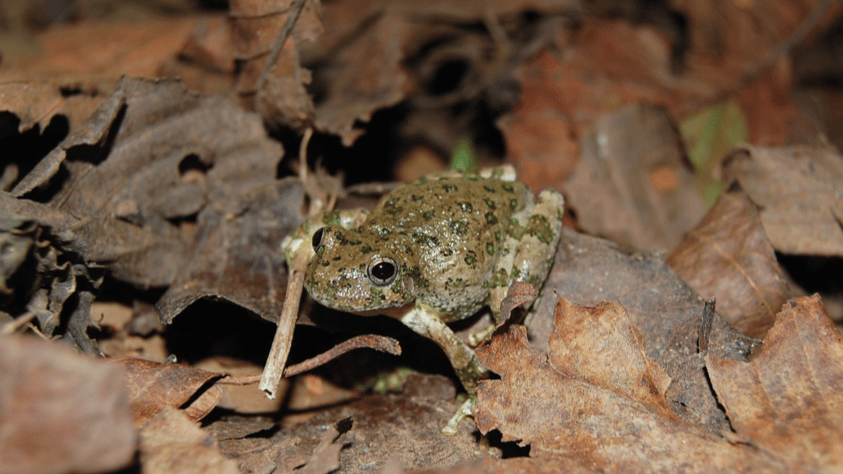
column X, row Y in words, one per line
column 449, row 187
column 491, row 219
column 471, row 258
column 508, row 187
column 490, row 204
column 366, row 249
column 459, row 227
column 489, row 188
column 466, row 206
column 417, row 198
column 424, row 239
column 490, row 248
column 515, row 229
column 498, row 236
column 427, row 215
column 513, row 204
column 540, row 228
column 392, row 208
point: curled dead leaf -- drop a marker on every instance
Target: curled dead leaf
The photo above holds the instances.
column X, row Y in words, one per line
column 597, row 399
column 799, row 194
column 727, row 256
column 787, row 400
column 61, row 411
column 155, row 385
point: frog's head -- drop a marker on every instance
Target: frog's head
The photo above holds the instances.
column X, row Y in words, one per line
column 357, row 272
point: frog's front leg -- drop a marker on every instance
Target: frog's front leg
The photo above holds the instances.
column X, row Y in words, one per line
column 533, row 235
column 425, row 320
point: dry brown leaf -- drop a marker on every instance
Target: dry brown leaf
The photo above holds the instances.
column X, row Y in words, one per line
column 731, row 39
column 518, row 465
column 608, row 65
column 36, row 102
column 787, row 401
column 61, row 412
column 111, row 49
column 366, row 74
column 614, row 190
column 404, row 427
column 376, row 54
column 153, row 154
column 666, row 311
column 282, row 97
column 519, row 293
column 236, row 257
column 172, row 443
column 155, row 385
column 596, row 398
column 728, row 257
column 799, row 193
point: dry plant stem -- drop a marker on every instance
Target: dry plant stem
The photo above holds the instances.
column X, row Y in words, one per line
column 305, row 140
column 274, row 368
column 292, row 15
column 14, row 326
column 378, row 343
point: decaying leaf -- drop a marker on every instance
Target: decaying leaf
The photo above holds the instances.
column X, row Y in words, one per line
column 60, row 411
column 172, row 442
column 519, row 293
column 43, row 274
column 799, row 192
column 278, row 90
column 36, row 103
column 237, row 258
column 728, row 257
column 787, row 401
column 154, row 386
column 151, row 155
column 366, row 74
column 666, row 311
column 404, row 428
column 597, row 398
column 647, row 197
column 137, row 49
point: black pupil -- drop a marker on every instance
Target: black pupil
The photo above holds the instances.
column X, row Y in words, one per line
column 383, row 270
column 317, row 238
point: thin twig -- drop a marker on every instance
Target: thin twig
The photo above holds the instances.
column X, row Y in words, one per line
column 370, row 341
column 13, row 326
column 280, row 350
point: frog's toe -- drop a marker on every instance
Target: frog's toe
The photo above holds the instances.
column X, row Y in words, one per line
column 464, row 410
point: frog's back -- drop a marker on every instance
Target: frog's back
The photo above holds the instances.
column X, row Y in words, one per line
column 455, row 226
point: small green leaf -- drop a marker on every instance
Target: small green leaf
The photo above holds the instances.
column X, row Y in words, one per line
column 709, row 135
column 463, row 158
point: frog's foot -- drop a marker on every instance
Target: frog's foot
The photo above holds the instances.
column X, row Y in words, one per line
column 463, row 411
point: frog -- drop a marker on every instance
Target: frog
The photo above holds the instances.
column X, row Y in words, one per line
column 434, row 251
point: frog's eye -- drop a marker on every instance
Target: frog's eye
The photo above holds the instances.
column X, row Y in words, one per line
column 383, row 271
column 317, row 239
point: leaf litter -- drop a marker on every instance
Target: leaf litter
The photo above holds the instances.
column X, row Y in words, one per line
column 180, row 197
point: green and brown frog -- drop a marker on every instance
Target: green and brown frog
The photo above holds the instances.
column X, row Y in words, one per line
column 434, row 251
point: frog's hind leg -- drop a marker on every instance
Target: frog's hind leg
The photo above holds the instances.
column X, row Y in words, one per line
column 426, row 321
column 534, row 234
